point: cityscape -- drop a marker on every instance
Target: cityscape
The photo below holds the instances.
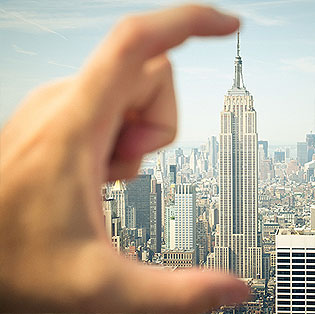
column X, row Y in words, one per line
column 236, row 191
column 232, row 204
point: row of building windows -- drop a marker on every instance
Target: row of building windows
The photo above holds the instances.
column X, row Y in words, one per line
column 295, row 296
column 296, row 284
column 297, row 309
column 296, row 278
column 296, row 266
column 295, row 272
column 294, row 254
column 294, row 260
column 281, row 290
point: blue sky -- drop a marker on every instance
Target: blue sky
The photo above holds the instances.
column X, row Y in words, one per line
column 42, row 40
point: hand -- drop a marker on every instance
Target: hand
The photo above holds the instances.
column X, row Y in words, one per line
column 66, row 139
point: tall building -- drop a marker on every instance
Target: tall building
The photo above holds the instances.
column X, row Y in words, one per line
column 185, row 217
column 172, row 174
column 279, row 156
column 301, row 148
column 138, row 192
column 295, row 268
column 156, row 215
column 118, row 192
column 213, row 151
column 310, row 141
column 111, row 219
column 169, row 227
column 236, row 242
column 265, row 147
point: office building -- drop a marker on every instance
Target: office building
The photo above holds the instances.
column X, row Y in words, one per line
column 301, row 152
column 112, row 221
column 138, row 192
column 118, row 192
column 155, row 215
column 279, row 156
column 265, row 148
column 236, row 242
column 178, row 258
column 169, row 227
column 295, row 272
column 310, row 141
column 185, row 217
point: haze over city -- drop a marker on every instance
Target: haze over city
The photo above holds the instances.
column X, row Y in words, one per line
column 44, row 40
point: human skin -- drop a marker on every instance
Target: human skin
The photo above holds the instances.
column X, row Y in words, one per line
column 65, row 140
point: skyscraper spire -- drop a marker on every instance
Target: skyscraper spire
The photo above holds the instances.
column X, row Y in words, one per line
column 238, row 75
column 238, row 44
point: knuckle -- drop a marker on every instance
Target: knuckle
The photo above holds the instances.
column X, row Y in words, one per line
column 167, row 65
column 132, row 32
column 164, row 67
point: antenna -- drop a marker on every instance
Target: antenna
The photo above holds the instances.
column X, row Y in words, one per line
column 238, row 44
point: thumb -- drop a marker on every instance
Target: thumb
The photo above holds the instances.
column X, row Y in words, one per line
column 193, row 291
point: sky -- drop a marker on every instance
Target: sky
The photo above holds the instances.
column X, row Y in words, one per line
column 43, row 39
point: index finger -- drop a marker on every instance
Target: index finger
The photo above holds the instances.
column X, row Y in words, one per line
column 141, row 37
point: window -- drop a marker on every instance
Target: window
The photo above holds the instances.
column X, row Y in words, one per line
column 298, row 254
column 283, row 278
column 283, row 296
column 298, row 302
column 298, row 266
column 283, row 254
column 285, row 284
column 298, row 290
column 284, row 302
column 298, row 260
column 284, row 290
column 283, row 272
column 298, row 296
column 283, row 308
column 298, row 284
column 282, row 260
column 300, row 309
column 284, row 266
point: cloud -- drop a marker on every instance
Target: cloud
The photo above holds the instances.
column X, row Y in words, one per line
column 263, row 20
column 22, row 51
column 62, row 65
column 32, row 22
column 305, row 64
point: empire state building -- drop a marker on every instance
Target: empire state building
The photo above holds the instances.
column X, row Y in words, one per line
column 236, row 242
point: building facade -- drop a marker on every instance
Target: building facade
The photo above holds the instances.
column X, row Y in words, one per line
column 295, row 277
column 185, row 217
column 236, row 243
column 301, row 148
column 156, row 215
column 138, row 192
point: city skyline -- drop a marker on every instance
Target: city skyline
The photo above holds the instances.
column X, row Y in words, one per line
column 42, row 41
